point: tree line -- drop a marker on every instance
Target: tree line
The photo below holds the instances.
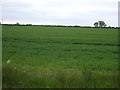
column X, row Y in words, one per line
column 99, row 24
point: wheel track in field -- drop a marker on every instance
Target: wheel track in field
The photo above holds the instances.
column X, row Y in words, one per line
column 75, row 43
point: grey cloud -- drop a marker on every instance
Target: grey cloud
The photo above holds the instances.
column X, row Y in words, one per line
column 28, row 12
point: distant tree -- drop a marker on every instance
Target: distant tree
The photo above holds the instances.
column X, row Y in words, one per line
column 100, row 24
column 96, row 24
column 17, row 23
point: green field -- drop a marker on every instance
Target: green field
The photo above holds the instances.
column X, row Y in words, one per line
column 60, row 57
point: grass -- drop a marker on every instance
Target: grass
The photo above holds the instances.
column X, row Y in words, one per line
column 60, row 57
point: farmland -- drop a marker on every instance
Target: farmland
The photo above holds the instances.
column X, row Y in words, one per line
column 59, row 57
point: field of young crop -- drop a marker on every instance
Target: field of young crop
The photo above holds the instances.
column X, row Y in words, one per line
column 59, row 57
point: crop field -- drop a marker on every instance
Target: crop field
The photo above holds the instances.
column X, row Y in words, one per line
column 59, row 57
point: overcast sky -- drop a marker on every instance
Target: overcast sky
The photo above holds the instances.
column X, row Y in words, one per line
column 60, row 12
